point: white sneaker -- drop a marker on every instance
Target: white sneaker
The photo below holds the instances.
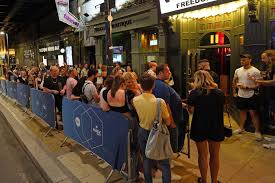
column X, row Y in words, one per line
column 175, row 177
column 267, row 146
column 238, row 131
column 269, row 139
column 259, row 136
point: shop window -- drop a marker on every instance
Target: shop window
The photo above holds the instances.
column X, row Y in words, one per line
column 149, row 41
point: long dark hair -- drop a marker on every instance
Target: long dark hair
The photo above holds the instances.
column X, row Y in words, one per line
column 109, row 82
column 118, row 80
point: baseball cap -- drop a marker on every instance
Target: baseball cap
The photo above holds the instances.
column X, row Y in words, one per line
column 246, row 56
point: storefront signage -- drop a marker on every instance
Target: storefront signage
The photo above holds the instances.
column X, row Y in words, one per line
column 128, row 23
column 65, row 16
column 115, row 25
column 167, row 6
column 48, row 49
column 43, row 50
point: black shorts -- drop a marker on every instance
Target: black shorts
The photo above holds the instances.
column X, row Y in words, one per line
column 247, row 103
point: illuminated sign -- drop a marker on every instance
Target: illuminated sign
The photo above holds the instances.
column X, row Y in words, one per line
column 65, row 16
column 167, row 6
column 62, row 3
column 43, row 50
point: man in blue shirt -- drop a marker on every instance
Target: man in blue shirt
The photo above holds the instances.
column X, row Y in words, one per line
column 174, row 104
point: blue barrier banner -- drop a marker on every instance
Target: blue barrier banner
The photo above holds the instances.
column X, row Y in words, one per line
column 3, row 86
column 11, row 89
column 23, row 94
column 43, row 105
column 103, row 133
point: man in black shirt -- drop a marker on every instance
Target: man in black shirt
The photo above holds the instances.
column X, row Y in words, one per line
column 55, row 85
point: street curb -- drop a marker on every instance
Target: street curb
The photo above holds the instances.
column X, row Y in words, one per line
column 49, row 170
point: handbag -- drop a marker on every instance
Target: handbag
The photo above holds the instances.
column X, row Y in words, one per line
column 158, row 145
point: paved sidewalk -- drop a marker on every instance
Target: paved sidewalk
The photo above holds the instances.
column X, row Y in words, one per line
column 242, row 158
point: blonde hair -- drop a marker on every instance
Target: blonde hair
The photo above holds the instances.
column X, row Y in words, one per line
column 130, row 76
column 203, row 80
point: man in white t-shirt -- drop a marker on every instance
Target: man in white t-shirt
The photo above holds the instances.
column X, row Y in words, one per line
column 89, row 89
column 246, row 96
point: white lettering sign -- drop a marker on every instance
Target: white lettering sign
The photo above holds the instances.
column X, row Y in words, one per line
column 51, row 48
column 65, row 16
column 56, row 48
column 167, row 6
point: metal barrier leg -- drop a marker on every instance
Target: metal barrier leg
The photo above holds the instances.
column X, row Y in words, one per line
column 48, row 132
column 63, row 142
column 129, row 156
column 109, row 176
column 188, row 153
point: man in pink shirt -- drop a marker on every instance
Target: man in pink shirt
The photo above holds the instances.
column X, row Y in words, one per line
column 71, row 82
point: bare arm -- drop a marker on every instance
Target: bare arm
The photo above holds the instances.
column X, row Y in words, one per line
column 266, row 82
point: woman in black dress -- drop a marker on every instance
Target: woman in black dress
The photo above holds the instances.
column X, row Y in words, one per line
column 207, row 130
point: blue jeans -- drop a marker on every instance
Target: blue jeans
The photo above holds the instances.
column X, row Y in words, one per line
column 147, row 163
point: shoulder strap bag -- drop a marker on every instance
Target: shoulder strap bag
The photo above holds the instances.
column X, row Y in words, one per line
column 158, row 145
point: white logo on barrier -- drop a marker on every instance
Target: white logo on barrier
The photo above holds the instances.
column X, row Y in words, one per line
column 93, row 138
column 44, row 107
column 97, row 131
column 77, row 121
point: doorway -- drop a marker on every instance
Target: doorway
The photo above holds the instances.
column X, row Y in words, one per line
column 219, row 59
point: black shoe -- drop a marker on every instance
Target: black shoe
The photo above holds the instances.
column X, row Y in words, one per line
column 199, row 180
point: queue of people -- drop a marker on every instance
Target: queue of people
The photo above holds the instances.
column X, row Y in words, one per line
column 124, row 92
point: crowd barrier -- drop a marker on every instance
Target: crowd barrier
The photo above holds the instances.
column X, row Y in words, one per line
column 103, row 133
column 23, row 95
column 43, row 105
column 11, row 89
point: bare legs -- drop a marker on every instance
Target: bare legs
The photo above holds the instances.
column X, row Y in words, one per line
column 255, row 120
column 202, row 159
column 242, row 118
column 214, row 149
column 254, row 117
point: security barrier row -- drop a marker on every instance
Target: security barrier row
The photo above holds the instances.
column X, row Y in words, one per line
column 105, row 134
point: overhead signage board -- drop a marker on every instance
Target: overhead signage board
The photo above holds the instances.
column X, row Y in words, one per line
column 167, row 6
column 127, row 23
column 65, row 16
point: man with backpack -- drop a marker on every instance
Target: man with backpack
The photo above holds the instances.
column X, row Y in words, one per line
column 89, row 90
